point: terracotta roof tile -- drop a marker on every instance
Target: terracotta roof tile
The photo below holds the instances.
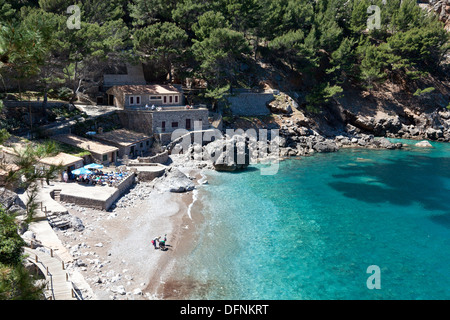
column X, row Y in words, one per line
column 147, row 89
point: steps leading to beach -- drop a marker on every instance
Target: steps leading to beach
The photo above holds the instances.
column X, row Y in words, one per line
column 59, row 286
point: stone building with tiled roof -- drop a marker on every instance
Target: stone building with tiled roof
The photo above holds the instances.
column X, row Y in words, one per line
column 139, row 96
column 128, row 142
column 102, row 153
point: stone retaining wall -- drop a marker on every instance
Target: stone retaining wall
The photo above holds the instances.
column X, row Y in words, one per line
column 147, row 176
column 159, row 158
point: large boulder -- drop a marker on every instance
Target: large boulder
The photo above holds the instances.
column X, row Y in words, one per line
column 326, row 146
column 434, row 134
column 282, row 104
column 229, row 154
column 177, row 181
column 379, row 125
column 386, row 144
column 173, row 180
column 387, row 124
column 7, row 198
column 423, row 144
column 76, row 223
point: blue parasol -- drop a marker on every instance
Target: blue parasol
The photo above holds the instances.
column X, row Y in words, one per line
column 81, row 171
column 93, row 166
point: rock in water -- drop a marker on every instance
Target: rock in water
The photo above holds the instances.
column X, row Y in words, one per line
column 386, row 144
column 424, row 144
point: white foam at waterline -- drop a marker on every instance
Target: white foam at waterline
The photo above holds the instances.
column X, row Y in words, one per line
column 195, row 194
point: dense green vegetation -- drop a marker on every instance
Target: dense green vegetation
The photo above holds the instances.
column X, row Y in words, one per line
column 15, row 281
column 212, row 40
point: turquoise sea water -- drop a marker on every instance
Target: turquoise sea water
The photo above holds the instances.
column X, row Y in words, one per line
column 312, row 230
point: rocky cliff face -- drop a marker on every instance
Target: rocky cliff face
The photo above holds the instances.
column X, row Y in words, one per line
column 442, row 9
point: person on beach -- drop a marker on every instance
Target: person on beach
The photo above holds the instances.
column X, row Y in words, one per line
column 162, row 244
column 154, row 242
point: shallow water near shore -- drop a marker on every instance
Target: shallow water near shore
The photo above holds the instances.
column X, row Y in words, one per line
column 312, row 230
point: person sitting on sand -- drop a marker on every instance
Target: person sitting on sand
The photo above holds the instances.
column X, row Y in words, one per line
column 162, row 245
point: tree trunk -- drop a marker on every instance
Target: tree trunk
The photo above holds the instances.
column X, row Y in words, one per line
column 44, row 105
column 75, row 88
column 169, row 67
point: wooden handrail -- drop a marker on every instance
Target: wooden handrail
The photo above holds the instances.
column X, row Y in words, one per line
column 36, row 261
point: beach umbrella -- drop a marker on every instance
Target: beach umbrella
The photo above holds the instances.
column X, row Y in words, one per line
column 93, row 166
column 81, row 171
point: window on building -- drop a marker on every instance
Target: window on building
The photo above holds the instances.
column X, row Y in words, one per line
column 105, row 157
column 155, row 98
column 141, row 145
column 165, row 99
column 135, row 100
column 176, row 99
column 147, row 142
column 174, row 124
column 170, row 99
column 163, row 126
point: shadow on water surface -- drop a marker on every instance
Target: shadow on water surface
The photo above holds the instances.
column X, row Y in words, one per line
column 414, row 179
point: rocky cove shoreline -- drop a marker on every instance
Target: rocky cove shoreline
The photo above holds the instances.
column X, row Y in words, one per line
column 299, row 138
column 112, row 249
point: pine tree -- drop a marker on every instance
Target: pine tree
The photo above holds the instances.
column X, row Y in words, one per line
column 162, row 42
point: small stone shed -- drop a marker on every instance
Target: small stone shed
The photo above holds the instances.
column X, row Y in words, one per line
column 102, row 153
column 128, row 142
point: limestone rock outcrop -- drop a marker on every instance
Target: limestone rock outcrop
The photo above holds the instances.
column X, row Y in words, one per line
column 229, row 154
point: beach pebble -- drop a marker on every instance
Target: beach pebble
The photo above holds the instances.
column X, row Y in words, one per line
column 97, row 279
column 117, row 277
column 119, row 289
column 137, row 292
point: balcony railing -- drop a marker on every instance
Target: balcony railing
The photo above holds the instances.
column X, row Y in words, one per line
column 166, row 108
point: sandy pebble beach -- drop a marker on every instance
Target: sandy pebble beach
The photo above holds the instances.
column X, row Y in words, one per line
column 114, row 252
